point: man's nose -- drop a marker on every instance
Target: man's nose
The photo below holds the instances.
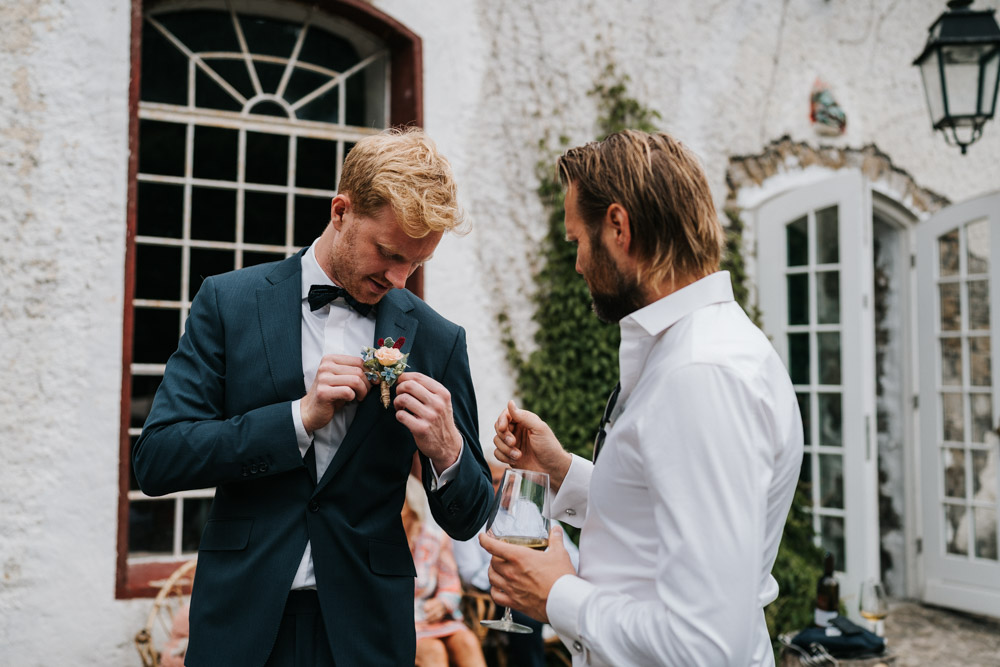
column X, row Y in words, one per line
column 398, row 273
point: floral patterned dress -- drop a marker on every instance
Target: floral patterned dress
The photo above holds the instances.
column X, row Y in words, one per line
column 437, row 577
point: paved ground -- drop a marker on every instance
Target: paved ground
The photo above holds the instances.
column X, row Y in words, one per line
column 923, row 636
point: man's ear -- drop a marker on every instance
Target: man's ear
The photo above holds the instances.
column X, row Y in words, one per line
column 338, row 207
column 616, row 219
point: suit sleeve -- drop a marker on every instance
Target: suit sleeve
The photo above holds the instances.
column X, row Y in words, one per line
column 188, row 441
column 462, row 505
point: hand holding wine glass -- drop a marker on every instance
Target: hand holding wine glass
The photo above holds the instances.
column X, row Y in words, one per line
column 874, row 605
column 520, row 517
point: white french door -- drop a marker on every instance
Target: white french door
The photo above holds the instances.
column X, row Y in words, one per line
column 959, row 298
column 814, row 254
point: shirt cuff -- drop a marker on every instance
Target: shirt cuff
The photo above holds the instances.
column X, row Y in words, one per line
column 564, row 608
column 570, row 504
column 303, row 438
column 450, row 473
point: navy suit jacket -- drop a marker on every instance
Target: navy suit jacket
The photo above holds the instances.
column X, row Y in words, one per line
column 222, row 417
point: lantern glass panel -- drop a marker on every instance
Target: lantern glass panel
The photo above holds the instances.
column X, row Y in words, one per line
column 931, row 73
column 991, row 65
column 961, row 72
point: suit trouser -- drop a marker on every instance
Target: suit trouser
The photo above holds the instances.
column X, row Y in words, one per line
column 301, row 640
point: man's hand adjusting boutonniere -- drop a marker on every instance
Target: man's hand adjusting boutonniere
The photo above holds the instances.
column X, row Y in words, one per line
column 423, row 405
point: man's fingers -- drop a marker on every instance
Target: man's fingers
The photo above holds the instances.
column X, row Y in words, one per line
column 343, row 360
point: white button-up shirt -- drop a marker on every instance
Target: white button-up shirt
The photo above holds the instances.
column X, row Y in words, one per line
column 683, row 514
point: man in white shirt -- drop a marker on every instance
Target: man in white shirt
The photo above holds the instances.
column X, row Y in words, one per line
column 303, row 560
column 700, row 449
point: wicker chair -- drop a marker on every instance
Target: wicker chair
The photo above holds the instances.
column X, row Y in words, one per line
column 173, row 595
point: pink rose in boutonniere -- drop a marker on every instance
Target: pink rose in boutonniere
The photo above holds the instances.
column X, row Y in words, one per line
column 384, row 364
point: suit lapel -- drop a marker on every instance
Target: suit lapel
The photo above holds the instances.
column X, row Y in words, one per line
column 393, row 320
column 279, row 309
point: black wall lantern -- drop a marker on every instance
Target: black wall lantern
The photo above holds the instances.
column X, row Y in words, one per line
column 960, row 67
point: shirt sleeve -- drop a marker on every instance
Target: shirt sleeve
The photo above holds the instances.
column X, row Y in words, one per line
column 703, row 437
column 473, row 563
column 570, row 503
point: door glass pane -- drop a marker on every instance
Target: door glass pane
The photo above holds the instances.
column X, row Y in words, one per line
column 953, row 466
column 828, row 297
column 984, row 474
column 979, row 361
column 798, row 358
column 151, row 526
column 215, row 151
column 830, row 420
column 828, row 344
column 978, row 240
column 798, row 298
column 951, row 308
column 982, row 416
column 948, row 254
column 831, row 480
column 805, row 476
column 832, row 539
column 803, row 399
column 956, row 530
column 979, row 304
column 952, row 418
column 267, row 158
column 827, row 239
column 951, row 362
column 797, row 241
column 986, row 532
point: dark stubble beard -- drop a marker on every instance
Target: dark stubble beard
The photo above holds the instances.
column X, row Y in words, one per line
column 613, row 294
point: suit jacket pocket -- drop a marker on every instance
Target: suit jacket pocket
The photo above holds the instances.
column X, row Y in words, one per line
column 226, row 534
column 390, row 558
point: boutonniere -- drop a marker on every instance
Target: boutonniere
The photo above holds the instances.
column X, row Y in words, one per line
column 385, row 364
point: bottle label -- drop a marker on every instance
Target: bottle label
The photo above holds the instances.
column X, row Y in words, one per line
column 822, row 617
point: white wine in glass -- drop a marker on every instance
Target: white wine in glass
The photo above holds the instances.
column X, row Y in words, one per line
column 520, row 517
column 873, row 605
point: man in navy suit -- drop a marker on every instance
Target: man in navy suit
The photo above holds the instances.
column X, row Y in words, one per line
column 303, row 560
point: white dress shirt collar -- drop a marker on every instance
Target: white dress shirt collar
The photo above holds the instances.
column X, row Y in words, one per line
column 661, row 314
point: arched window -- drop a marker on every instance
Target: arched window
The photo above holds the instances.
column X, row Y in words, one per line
column 241, row 119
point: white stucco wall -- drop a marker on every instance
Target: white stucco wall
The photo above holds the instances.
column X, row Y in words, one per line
column 728, row 77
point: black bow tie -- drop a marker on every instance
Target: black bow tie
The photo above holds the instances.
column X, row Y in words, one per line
column 320, row 295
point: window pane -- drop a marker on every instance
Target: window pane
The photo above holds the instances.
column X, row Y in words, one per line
column 978, row 241
column 954, row 472
column 269, row 108
column 156, row 334
column 143, row 389
column 133, row 483
column 980, row 360
column 831, row 423
column 160, row 210
column 982, row 416
column 828, row 344
column 805, row 475
column 321, row 47
column 986, row 532
column 195, row 516
column 151, row 526
column 264, row 218
column 948, row 254
column 206, row 262
column 803, row 399
column 828, row 297
column 164, row 69
column 798, row 298
column 956, row 530
column 161, row 148
column 831, row 480
column 984, row 474
column 157, row 272
column 268, row 36
column 312, row 214
column 269, row 75
column 213, row 214
column 953, row 418
column 979, row 305
column 323, row 108
column 234, row 72
column 951, row 309
column 209, row 94
column 254, row 258
column 316, row 164
column 267, row 158
column 951, row 362
column 827, row 239
column 798, row 358
column 215, row 153
column 202, row 30
column 832, row 539
column 797, row 242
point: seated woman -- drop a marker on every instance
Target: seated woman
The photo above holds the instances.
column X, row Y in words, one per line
column 441, row 634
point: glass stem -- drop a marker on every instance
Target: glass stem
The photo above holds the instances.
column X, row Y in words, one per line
column 506, row 616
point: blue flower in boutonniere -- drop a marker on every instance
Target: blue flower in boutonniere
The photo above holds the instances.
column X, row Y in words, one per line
column 384, row 364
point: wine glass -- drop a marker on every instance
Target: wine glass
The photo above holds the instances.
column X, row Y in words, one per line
column 874, row 605
column 519, row 516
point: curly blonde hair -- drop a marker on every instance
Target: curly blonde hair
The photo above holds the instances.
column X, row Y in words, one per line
column 403, row 169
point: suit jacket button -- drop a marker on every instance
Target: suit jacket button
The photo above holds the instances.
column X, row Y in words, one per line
column 253, row 469
column 246, row 471
column 313, row 506
column 262, row 467
column 453, row 508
